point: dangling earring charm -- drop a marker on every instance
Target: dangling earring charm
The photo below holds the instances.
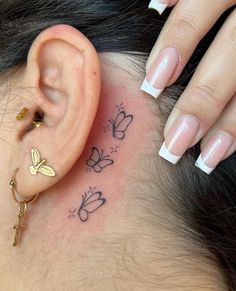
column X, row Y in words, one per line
column 39, row 165
column 22, row 210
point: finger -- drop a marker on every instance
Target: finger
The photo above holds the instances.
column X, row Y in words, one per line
column 210, row 89
column 161, row 5
column 186, row 26
column 220, row 141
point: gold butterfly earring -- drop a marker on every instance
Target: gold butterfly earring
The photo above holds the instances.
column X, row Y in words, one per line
column 39, row 165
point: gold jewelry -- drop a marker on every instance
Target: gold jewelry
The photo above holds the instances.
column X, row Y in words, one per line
column 39, row 165
column 22, row 209
column 37, row 124
column 20, row 116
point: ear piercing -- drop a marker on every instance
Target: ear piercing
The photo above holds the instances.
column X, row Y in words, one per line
column 37, row 124
column 39, row 165
column 22, row 114
column 23, row 205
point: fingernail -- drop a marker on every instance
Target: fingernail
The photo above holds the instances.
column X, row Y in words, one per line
column 214, row 152
column 161, row 72
column 179, row 138
column 158, row 6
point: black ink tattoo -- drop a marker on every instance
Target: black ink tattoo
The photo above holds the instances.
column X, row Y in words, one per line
column 120, row 107
column 106, row 128
column 91, row 201
column 72, row 213
column 88, row 170
column 120, row 125
column 98, row 161
column 114, row 149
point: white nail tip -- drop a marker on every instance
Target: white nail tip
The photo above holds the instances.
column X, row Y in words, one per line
column 201, row 165
column 165, row 154
column 146, row 87
column 155, row 4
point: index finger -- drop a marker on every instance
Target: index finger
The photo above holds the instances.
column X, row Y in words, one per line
column 186, row 26
column 205, row 97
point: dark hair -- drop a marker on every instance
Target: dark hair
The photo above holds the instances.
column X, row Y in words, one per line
column 207, row 204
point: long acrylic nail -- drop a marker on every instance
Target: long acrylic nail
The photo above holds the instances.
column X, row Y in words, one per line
column 161, row 72
column 179, row 138
column 214, row 152
column 158, row 6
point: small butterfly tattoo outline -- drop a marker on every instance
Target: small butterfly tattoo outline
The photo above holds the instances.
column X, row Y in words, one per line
column 98, row 161
column 121, row 124
column 91, row 201
column 39, row 165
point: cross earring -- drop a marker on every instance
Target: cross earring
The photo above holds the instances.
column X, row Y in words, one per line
column 23, row 205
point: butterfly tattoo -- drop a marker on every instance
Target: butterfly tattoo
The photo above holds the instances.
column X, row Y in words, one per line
column 90, row 203
column 98, row 161
column 121, row 124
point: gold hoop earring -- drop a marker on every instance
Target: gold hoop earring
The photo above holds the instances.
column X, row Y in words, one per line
column 23, row 205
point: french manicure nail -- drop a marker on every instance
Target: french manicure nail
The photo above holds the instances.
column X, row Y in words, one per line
column 161, row 72
column 158, row 6
column 214, row 152
column 179, row 138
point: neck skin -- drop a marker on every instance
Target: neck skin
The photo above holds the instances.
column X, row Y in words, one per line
column 114, row 246
column 59, row 229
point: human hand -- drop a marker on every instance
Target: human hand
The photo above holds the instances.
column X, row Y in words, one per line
column 207, row 108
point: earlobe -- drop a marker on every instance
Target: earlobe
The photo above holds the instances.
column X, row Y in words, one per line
column 64, row 70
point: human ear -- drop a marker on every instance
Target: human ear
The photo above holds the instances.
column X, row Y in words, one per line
column 64, row 71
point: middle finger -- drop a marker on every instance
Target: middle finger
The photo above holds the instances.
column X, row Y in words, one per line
column 210, row 89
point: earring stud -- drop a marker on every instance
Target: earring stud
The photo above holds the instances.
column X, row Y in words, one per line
column 39, row 165
column 37, row 124
column 22, row 114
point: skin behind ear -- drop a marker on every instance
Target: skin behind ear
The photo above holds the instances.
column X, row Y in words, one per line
column 64, row 70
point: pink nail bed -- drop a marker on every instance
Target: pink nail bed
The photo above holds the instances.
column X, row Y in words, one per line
column 161, row 72
column 179, row 138
column 214, row 152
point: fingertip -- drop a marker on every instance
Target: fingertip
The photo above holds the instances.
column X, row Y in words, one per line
column 146, row 87
column 158, row 6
